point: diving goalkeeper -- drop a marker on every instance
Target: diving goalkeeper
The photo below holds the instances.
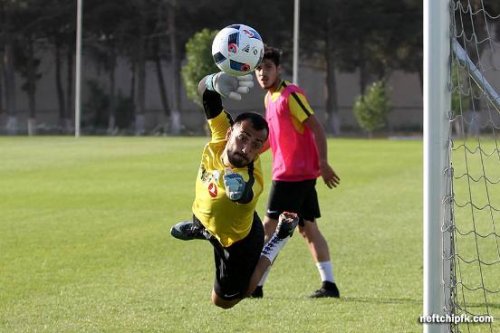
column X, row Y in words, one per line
column 228, row 186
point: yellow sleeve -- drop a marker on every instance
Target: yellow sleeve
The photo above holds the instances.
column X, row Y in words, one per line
column 299, row 106
column 219, row 126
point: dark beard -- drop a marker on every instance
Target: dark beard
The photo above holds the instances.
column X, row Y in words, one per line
column 237, row 160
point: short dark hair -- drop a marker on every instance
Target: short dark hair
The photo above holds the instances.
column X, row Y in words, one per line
column 258, row 122
column 273, row 54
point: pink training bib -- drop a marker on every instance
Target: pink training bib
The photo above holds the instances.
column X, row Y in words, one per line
column 295, row 155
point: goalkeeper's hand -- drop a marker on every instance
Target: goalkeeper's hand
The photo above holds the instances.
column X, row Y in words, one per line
column 235, row 186
column 229, row 86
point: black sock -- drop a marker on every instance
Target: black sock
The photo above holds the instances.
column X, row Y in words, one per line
column 328, row 285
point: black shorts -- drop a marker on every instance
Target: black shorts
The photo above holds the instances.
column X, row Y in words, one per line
column 298, row 197
column 233, row 272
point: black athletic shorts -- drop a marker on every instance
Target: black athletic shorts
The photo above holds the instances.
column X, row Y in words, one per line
column 298, row 197
column 234, row 265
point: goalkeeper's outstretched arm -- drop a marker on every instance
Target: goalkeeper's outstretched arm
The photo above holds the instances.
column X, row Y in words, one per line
column 226, row 85
column 214, row 86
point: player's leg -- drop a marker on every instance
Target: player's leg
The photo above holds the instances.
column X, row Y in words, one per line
column 269, row 229
column 194, row 229
column 315, row 241
column 270, row 225
column 274, row 208
column 321, row 255
column 261, row 270
column 281, row 198
column 234, row 269
column 317, row 244
column 222, row 302
column 286, row 225
column 189, row 230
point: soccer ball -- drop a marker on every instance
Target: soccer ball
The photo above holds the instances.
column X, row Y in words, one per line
column 237, row 49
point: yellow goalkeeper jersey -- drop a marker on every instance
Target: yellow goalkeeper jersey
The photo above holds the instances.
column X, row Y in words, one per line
column 227, row 220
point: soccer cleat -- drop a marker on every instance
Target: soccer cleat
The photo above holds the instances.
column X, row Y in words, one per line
column 188, row 230
column 286, row 225
column 258, row 292
column 328, row 289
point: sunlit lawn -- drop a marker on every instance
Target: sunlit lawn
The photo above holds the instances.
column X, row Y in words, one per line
column 84, row 242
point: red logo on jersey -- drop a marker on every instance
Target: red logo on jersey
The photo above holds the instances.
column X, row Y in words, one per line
column 212, row 190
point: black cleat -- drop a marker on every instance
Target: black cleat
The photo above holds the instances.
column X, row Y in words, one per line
column 328, row 289
column 258, row 292
column 286, row 225
column 188, row 230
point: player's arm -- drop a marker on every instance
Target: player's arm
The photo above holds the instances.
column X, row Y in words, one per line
column 329, row 176
column 248, row 191
column 247, row 195
column 320, row 137
column 218, row 119
column 226, row 85
column 211, row 88
column 237, row 189
column 300, row 108
column 212, row 101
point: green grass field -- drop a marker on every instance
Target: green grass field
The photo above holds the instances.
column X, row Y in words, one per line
column 85, row 245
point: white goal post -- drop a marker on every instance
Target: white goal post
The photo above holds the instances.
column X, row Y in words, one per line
column 437, row 99
column 461, row 239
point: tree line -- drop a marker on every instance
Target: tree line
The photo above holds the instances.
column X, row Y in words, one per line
column 374, row 38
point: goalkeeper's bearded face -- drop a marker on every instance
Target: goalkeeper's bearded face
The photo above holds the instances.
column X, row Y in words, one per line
column 244, row 143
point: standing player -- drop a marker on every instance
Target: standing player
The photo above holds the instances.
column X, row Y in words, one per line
column 228, row 186
column 299, row 150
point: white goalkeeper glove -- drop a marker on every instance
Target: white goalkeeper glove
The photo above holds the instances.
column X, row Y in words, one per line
column 234, row 184
column 229, row 86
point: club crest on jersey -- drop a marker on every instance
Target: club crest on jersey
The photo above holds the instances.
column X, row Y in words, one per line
column 204, row 175
column 212, row 190
column 216, row 175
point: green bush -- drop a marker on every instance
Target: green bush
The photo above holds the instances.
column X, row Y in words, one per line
column 199, row 62
column 371, row 109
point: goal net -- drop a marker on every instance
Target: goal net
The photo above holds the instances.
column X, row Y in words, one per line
column 472, row 289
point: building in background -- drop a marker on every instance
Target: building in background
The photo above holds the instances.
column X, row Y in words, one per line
column 405, row 91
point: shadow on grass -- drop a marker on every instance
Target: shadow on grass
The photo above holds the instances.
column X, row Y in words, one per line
column 410, row 301
column 380, row 300
column 348, row 299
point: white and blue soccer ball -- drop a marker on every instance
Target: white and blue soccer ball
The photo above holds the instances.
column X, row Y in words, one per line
column 237, row 49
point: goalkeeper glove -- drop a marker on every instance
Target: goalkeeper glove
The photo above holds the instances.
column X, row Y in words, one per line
column 235, row 185
column 229, row 86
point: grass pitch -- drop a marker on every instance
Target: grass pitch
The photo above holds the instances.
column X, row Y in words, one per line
column 85, row 245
